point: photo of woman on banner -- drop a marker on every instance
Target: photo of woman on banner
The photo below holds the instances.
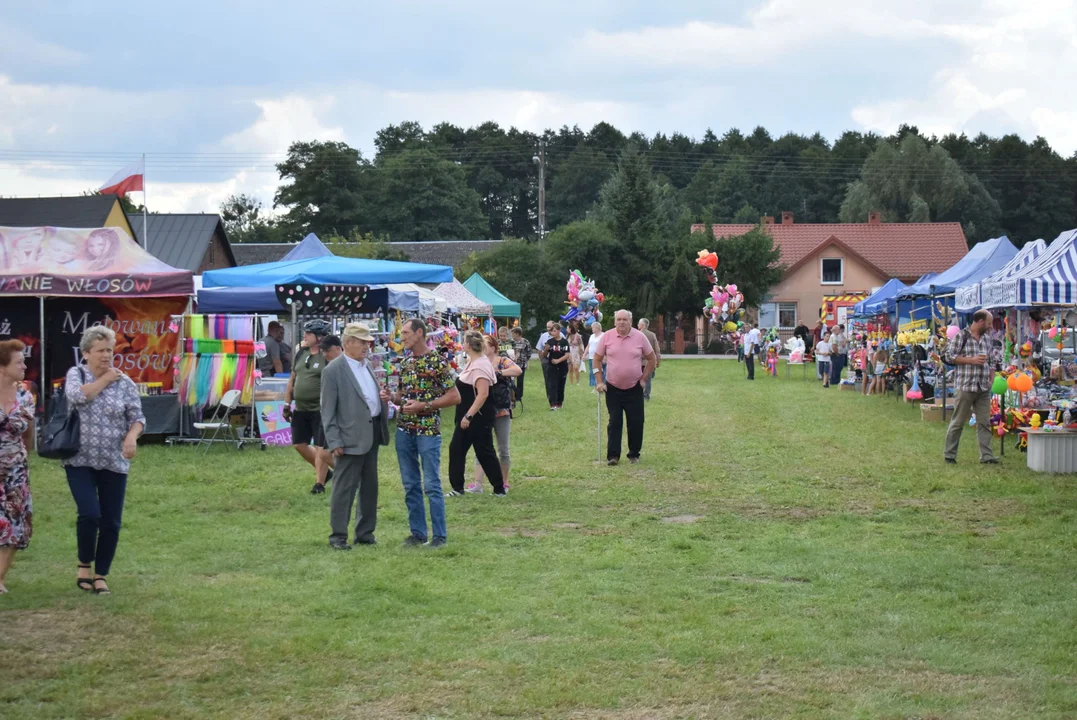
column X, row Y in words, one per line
column 23, row 249
column 101, row 249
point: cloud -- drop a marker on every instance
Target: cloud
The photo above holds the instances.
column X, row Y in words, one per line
column 18, row 48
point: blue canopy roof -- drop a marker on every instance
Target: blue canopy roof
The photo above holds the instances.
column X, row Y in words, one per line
column 968, row 297
column 263, row 298
column 327, row 270
column 1051, row 279
column 882, row 300
column 984, row 259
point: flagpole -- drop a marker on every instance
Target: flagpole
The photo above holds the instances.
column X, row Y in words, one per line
column 145, row 211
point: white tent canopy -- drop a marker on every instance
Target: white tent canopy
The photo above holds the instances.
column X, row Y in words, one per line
column 430, row 302
column 460, row 297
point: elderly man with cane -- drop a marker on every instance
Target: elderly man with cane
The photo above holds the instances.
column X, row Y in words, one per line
column 629, row 361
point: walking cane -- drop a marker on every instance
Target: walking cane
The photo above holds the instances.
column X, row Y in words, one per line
column 598, row 424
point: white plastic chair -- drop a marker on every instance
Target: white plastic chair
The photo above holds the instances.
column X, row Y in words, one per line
column 219, row 422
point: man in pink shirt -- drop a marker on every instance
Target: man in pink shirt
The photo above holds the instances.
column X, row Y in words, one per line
column 623, row 352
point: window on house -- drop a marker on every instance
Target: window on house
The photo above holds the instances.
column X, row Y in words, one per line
column 782, row 315
column 833, row 271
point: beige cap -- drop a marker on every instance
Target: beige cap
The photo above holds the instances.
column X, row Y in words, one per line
column 358, row 331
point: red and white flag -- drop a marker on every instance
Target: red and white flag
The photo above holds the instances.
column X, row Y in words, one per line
column 127, row 180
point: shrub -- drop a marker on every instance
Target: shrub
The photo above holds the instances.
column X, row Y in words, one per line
column 691, row 349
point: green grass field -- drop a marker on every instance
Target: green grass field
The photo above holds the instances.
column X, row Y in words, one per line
column 781, row 551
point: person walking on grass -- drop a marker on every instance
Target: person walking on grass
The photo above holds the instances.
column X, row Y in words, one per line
column 592, row 345
column 880, row 359
column 425, row 388
column 356, row 423
column 556, row 351
column 971, row 353
column 303, row 404
column 752, row 344
column 643, row 327
column 822, row 359
column 629, row 361
column 575, row 352
column 540, row 347
column 839, row 354
column 523, row 357
column 111, row 421
column 501, row 394
column 16, row 416
column 475, row 418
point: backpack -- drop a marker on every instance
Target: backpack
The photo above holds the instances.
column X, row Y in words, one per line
column 502, row 392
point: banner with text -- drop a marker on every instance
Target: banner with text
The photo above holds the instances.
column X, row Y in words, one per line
column 144, row 344
column 20, row 319
column 83, row 262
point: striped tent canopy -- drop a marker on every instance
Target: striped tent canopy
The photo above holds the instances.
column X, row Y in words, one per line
column 1051, row 279
column 969, row 296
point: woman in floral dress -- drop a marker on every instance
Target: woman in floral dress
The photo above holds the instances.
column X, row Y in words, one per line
column 16, row 416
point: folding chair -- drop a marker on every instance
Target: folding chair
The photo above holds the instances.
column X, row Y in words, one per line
column 220, row 421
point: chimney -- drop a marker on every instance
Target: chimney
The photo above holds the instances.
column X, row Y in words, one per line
column 875, row 218
column 787, row 217
column 766, row 220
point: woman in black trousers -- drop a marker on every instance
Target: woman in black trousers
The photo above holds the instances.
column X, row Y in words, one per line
column 556, row 351
column 475, row 419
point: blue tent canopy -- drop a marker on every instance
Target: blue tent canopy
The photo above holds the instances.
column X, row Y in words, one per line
column 262, row 298
column 1051, row 279
column 969, row 297
column 985, row 258
column 327, row 270
column 882, row 300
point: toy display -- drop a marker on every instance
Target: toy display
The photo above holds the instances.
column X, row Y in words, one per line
column 583, row 299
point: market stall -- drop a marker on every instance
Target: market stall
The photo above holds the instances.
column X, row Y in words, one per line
column 969, row 297
column 500, row 305
column 56, row 282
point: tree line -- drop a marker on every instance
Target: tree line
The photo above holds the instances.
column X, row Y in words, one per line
column 482, row 182
column 620, row 208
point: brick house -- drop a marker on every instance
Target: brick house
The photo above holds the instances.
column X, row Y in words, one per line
column 843, row 258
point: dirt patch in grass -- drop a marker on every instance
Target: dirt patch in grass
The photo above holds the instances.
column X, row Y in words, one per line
column 682, row 519
column 567, row 526
column 520, row 532
column 766, row 511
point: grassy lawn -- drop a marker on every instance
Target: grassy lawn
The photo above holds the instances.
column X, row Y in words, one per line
column 781, row 551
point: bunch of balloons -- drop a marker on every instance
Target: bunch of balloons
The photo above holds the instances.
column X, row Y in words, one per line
column 583, row 299
column 723, row 306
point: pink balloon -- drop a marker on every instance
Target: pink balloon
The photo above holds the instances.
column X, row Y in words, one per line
column 953, row 331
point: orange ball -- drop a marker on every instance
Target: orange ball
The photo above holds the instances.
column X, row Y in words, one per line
column 1011, row 382
column 1024, row 382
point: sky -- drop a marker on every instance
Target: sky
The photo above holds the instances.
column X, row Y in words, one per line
column 214, row 92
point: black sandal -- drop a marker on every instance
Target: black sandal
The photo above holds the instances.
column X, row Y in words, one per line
column 84, row 584
column 100, row 591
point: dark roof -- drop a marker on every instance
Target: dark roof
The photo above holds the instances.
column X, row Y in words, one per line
column 80, row 211
column 258, row 253
column 432, row 252
column 180, row 239
column 443, row 252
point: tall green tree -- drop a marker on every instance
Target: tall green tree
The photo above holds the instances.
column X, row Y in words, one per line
column 246, row 221
column 322, row 187
column 576, row 185
column 914, row 182
column 421, row 196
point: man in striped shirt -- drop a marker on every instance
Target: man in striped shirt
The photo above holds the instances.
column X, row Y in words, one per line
column 970, row 353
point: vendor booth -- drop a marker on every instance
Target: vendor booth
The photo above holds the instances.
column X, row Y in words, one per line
column 969, row 297
column 57, row 282
column 500, row 305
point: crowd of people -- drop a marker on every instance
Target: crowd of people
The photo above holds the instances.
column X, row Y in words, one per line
column 339, row 413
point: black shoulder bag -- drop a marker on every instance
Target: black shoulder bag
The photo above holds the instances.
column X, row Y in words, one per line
column 62, row 435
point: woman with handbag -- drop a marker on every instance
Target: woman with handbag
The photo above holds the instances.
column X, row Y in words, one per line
column 16, row 415
column 502, row 395
column 111, row 420
column 475, row 419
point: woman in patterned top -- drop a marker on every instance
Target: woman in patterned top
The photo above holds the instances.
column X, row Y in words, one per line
column 110, row 414
column 523, row 356
column 16, row 415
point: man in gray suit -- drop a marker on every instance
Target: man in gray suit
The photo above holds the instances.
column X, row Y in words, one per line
column 356, row 422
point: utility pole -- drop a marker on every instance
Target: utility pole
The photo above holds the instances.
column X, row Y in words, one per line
column 540, row 160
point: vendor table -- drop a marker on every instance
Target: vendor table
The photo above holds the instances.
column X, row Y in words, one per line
column 803, row 369
column 1053, row 451
column 163, row 415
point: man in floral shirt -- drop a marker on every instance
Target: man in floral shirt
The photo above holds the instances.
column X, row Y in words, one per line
column 426, row 386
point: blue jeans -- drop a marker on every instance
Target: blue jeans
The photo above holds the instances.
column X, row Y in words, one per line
column 99, row 496
column 409, row 450
column 591, row 373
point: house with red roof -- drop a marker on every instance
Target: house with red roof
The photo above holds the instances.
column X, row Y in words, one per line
column 827, row 259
